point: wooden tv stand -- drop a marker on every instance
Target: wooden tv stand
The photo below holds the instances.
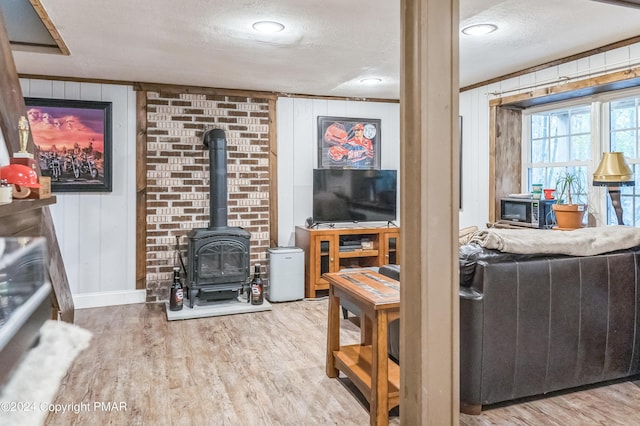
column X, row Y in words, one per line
column 334, row 249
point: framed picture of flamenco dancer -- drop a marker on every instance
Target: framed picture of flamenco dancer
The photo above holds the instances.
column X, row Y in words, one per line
column 348, row 143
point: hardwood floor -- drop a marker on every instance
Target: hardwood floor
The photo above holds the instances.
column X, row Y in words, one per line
column 612, row 405
column 264, row 368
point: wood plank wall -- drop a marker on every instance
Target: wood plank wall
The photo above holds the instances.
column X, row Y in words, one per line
column 505, row 154
column 11, row 108
column 273, row 175
column 11, row 100
column 141, row 190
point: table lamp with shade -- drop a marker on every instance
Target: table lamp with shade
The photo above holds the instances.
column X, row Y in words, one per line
column 614, row 172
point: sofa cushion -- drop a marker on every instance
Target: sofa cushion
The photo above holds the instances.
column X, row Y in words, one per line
column 393, row 335
column 391, row 271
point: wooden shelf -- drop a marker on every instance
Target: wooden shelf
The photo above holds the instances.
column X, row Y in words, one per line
column 22, row 218
column 322, row 251
column 32, row 218
column 355, row 362
column 19, row 206
column 358, row 253
column 367, row 364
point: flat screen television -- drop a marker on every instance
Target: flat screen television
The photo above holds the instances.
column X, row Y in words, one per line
column 354, row 195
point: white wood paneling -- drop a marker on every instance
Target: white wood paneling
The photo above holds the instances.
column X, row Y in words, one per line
column 4, row 154
column 474, row 107
column 285, row 149
column 474, row 110
column 297, row 150
column 96, row 231
column 547, row 76
column 570, row 69
column 617, row 57
column 634, row 53
column 597, row 63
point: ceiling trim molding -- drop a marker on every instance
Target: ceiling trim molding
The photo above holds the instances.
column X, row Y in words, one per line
column 586, row 87
column 55, row 35
column 177, row 88
column 142, row 86
column 601, row 49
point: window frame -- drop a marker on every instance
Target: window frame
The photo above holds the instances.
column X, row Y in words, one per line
column 600, row 142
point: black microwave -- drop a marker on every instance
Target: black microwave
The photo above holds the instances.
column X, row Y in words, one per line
column 527, row 212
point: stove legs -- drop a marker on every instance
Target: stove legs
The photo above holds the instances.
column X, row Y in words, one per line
column 192, row 296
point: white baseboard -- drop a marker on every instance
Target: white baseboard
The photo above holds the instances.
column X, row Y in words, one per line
column 109, row 298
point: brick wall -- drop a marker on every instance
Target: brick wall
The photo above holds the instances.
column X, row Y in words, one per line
column 178, row 175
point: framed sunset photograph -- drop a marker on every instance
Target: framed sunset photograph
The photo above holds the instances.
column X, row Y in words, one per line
column 73, row 143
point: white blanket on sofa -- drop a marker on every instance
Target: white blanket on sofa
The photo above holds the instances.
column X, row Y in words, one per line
column 581, row 242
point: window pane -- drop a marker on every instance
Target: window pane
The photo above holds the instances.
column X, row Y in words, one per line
column 581, row 147
column 624, row 137
column 581, row 120
column 560, row 150
column 624, row 141
column 539, row 150
column 539, row 123
column 559, row 123
column 581, row 171
column 558, row 138
column 537, row 175
column 623, row 114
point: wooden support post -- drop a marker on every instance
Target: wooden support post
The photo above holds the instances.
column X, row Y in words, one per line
column 429, row 336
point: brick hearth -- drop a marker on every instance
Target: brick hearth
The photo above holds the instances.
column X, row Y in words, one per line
column 178, row 174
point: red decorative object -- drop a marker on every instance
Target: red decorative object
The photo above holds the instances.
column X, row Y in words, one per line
column 17, row 174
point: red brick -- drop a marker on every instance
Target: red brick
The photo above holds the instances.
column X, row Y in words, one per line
column 183, row 180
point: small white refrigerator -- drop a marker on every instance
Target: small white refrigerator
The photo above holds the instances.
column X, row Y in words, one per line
column 286, row 274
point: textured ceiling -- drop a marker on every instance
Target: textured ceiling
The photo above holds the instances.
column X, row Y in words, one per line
column 326, row 48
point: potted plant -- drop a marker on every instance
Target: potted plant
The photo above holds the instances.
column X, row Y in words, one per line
column 568, row 208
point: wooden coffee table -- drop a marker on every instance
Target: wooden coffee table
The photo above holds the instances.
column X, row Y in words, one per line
column 367, row 364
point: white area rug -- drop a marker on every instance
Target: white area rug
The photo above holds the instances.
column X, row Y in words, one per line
column 26, row 398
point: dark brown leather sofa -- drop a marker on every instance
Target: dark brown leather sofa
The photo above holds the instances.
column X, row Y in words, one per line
column 532, row 324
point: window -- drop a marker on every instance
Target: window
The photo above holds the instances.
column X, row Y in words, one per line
column 574, row 135
column 623, row 137
column 559, row 139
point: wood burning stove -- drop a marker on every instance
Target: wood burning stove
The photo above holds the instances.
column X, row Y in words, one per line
column 217, row 257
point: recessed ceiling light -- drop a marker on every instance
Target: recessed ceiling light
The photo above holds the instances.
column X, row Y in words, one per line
column 268, row 26
column 479, row 29
column 372, row 80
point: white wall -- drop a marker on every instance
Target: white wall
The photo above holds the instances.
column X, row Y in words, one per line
column 297, row 153
column 474, row 107
column 96, row 231
column 297, row 150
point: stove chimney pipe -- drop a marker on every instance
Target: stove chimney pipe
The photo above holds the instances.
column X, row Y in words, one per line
column 216, row 141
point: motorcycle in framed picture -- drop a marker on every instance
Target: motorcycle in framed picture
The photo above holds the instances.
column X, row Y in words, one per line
column 73, row 143
column 348, row 143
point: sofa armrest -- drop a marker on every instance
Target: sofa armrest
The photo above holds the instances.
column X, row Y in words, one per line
column 471, row 341
column 391, row 271
column 469, row 293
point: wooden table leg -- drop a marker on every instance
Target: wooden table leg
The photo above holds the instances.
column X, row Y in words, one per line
column 333, row 332
column 366, row 328
column 379, row 407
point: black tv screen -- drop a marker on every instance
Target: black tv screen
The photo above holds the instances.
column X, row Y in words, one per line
column 354, row 195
